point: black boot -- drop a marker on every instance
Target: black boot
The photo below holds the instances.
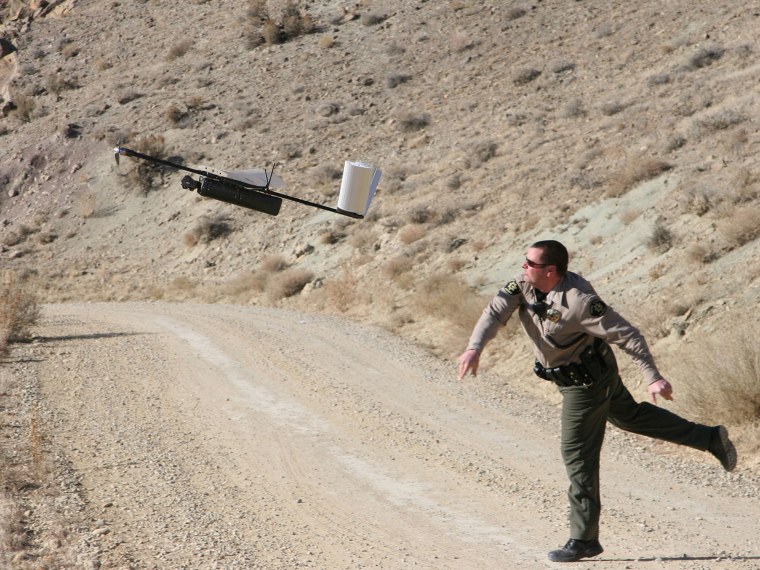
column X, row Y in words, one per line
column 722, row 448
column 574, row 550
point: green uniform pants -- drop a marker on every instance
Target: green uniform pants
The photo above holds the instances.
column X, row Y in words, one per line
column 585, row 412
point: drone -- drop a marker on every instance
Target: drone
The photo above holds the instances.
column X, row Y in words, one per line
column 253, row 188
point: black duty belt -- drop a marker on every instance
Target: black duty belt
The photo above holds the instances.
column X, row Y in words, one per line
column 568, row 375
column 591, row 368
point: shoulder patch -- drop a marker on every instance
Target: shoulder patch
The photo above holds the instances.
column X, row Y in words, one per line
column 511, row 288
column 597, row 308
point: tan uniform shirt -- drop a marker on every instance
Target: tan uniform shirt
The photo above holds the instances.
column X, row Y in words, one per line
column 573, row 316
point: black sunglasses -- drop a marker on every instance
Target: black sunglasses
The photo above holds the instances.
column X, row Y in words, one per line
column 534, row 264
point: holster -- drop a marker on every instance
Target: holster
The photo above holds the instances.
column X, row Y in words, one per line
column 592, row 367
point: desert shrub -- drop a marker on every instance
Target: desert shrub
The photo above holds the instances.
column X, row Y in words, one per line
column 697, row 253
column 635, row 171
column 246, row 281
column 661, row 238
column 525, row 76
column 395, row 79
column 609, row 108
column 456, row 264
column 207, row 229
column 420, row 214
column 704, row 57
column 363, row 238
column 174, row 114
column 397, row 266
column 658, row 79
column 515, row 12
column 24, row 107
column 746, row 186
column 573, row 109
column 263, row 28
column 411, row 233
column 331, row 237
column 179, row 49
column 127, row 95
column 484, row 151
column 288, row 283
column 372, row 19
column 55, row 83
column 696, row 202
column 717, row 121
column 410, row 122
column 325, row 174
column 274, row 263
column 742, row 226
column 19, row 311
column 721, row 374
column 257, row 9
column 70, row 50
column 146, row 175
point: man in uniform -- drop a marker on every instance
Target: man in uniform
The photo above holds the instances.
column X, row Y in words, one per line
column 571, row 329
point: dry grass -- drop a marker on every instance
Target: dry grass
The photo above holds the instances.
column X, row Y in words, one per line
column 288, row 283
column 635, row 171
column 721, row 376
column 19, row 311
column 448, row 298
column 273, row 263
column 742, row 226
column 412, row 233
column 207, row 229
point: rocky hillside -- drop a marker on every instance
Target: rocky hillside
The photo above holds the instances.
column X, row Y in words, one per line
column 629, row 131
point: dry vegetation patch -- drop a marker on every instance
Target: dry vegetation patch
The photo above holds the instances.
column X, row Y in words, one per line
column 721, row 376
column 635, row 171
column 19, row 311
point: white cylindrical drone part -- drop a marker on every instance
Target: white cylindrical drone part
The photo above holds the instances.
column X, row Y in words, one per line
column 357, row 187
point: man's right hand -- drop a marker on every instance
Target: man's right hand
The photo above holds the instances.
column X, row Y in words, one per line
column 469, row 361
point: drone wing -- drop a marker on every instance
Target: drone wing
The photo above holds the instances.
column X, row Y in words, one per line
column 254, row 176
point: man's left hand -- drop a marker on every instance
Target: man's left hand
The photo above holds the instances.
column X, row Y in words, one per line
column 662, row 388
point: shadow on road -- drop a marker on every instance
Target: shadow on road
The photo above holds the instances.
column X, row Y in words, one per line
column 684, row 558
column 63, row 338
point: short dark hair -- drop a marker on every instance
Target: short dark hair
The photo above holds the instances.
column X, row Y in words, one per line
column 553, row 253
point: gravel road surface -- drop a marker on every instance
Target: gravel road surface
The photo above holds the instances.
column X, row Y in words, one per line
column 211, row 436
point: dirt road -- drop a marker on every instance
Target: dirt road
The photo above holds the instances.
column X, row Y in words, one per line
column 238, row 437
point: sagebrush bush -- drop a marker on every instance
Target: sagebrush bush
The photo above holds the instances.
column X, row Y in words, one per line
column 179, row 49
column 661, row 238
column 263, row 28
column 146, row 175
column 207, row 229
column 411, row 233
column 410, row 122
column 19, row 311
column 288, row 283
column 742, row 226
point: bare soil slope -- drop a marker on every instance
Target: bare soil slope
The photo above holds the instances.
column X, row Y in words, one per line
column 231, row 437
